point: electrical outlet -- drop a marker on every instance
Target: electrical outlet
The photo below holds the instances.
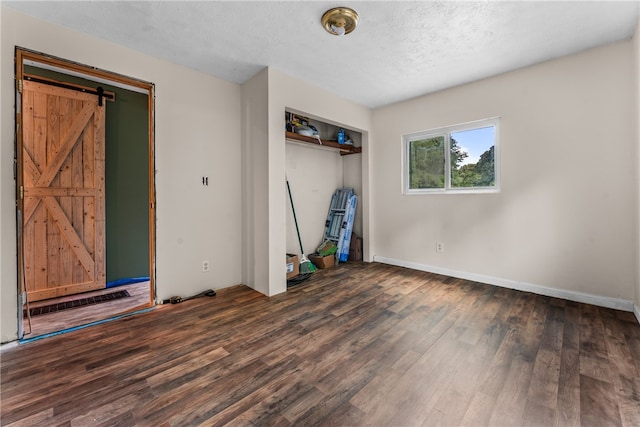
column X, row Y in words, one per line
column 439, row 247
column 205, row 266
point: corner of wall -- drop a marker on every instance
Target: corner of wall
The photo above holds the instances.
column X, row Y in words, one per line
column 8, row 250
column 254, row 156
column 636, row 63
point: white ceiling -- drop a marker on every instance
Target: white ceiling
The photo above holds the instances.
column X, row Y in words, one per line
column 399, row 50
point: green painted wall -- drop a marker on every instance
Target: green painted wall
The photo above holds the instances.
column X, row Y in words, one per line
column 127, row 178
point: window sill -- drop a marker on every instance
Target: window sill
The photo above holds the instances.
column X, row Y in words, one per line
column 461, row 191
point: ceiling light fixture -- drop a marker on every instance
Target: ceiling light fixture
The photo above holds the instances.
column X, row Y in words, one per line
column 340, row 20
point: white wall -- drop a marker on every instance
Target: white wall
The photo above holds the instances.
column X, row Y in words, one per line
column 313, row 175
column 636, row 56
column 255, row 191
column 8, row 273
column 565, row 216
column 197, row 133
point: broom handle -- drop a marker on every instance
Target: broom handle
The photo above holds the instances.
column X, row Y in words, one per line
column 294, row 217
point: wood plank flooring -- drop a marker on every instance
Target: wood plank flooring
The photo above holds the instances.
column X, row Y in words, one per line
column 359, row 345
column 53, row 322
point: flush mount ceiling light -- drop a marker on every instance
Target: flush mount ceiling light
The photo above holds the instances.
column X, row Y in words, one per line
column 340, row 20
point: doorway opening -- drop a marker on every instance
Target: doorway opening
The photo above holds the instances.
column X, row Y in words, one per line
column 85, row 194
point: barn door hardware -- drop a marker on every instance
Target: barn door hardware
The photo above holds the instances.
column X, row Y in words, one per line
column 99, row 91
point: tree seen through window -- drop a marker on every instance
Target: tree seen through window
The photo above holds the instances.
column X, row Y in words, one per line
column 471, row 155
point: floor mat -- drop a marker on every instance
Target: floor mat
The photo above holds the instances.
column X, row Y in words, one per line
column 80, row 302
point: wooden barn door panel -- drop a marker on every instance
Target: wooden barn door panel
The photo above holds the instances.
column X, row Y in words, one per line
column 63, row 179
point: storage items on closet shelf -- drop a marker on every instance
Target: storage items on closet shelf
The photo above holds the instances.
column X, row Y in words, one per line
column 344, row 149
column 300, row 125
column 299, row 128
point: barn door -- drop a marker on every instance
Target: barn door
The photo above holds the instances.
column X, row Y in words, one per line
column 63, row 190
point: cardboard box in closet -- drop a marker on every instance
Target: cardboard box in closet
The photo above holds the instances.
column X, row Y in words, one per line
column 323, row 262
column 293, row 266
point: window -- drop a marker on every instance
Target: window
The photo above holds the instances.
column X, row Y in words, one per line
column 460, row 158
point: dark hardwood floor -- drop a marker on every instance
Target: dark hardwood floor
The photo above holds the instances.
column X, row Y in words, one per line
column 359, row 344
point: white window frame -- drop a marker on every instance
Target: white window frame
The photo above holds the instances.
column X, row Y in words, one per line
column 446, row 133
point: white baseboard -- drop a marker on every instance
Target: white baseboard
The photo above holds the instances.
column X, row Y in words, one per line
column 602, row 301
column 8, row 345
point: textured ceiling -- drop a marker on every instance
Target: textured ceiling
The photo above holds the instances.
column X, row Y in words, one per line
column 399, row 50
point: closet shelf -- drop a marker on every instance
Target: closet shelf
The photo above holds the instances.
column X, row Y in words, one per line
column 344, row 149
